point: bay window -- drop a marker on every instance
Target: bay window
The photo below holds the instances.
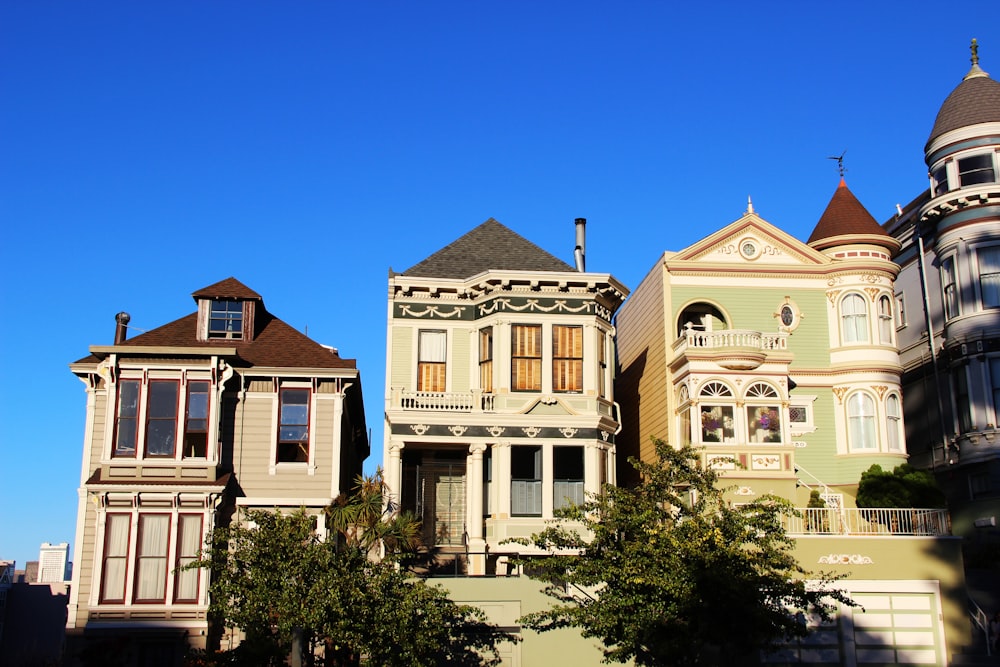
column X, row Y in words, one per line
column 157, row 404
column 893, row 423
column 196, row 420
column 293, row 426
column 567, row 358
column 567, row 473
column 764, row 422
column 127, row 427
column 432, row 355
column 718, row 421
column 161, row 418
column 885, row 325
column 526, row 357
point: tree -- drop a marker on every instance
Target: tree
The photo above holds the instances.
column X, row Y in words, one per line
column 291, row 592
column 904, row 487
column 668, row 573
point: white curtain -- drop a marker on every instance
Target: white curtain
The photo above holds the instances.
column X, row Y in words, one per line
column 433, row 346
column 861, row 417
column 151, row 565
column 188, row 543
column 855, row 319
column 115, row 557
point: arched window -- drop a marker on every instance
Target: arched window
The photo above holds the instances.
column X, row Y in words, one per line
column 885, row 320
column 684, row 421
column 893, row 423
column 717, row 413
column 854, row 319
column 861, row 421
column 764, row 413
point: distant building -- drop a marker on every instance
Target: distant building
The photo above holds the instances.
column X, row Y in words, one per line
column 53, row 563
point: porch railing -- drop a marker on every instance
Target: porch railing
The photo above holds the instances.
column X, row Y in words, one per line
column 732, row 338
column 833, row 521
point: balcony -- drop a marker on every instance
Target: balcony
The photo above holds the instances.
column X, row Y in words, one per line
column 439, row 401
column 734, row 349
column 869, row 522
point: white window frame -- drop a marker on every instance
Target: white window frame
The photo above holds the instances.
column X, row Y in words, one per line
column 951, row 302
column 978, row 265
column 868, row 423
column 854, row 327
column 894, row 422
column 310, row 464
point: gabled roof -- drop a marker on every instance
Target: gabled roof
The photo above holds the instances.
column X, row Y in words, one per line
column 275, row 344
column 230, row 288
column 846, row 220
column 490, row 246
column 976, row 100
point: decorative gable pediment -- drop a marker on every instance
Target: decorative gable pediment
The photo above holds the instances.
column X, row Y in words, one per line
column 748, row 243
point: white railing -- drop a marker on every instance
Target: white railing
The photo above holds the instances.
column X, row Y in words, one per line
column 734, row 338
column 440, row 401
column 833, row 521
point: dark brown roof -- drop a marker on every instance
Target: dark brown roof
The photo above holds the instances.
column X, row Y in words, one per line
column 97, row 480
column 275, row 344
column 230, row 288
column 975, row 100
column 845, row 216
column 490, row 246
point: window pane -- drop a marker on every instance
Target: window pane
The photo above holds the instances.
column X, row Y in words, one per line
column 717, row 423
column 526, row 357
column 854, row 316
column 976, row 169
column 948, row 287
column 151, row 557
column 293, row 431
column 116, row 536
column 989, row 276
column 226, row 319
column 188, row 544
column 161, row 417
column 764, row 422
column 893, row 418
column 128, row 416
column 861, row 421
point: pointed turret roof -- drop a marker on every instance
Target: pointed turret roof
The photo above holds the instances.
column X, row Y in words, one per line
column 490, row 246
column 975, row 100
column 846, row 221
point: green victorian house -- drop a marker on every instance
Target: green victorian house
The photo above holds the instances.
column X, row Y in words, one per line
column 778, row 360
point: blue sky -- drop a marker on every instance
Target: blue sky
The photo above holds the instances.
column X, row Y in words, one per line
column 148, row 149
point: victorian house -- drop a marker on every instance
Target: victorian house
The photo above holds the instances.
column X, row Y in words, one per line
column 499, row 393
column 948, row 309
column 223, row 409
column 778, row 361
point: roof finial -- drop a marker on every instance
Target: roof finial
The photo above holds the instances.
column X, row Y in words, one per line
column 975, row 52
column 975, row 70
column 749, row 205
column 840, row 162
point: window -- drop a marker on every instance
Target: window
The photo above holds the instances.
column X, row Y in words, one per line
column 189, row 528
column 567, row 358
column 894, row 420
column 900, row 311
column 940, row 178
column 763, row 421
column 989, row 276
column 861, row 421
column 431, row 361
column 151, row 558
column 196, row 421
column 293, row 427
column 127, row 429
column 567, row 473
column 962, row 405
column 486, row 359
column 115, row 562
column 717, row 419
column 798, row 414
column 854, row 319
column 526, row 357
column 976, row 169
column 525, row 481
column 161, row 418
column 488, row 481
column 948, row 288
column 602, row 367
column 683, row 399
column 225, row 319
column 995, row 383
column 885, row 324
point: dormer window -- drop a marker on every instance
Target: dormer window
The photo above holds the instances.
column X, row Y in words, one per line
column 226, row 319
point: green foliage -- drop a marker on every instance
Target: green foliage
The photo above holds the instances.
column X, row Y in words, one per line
column 668, row 573
column 274, row 579
column 368, row 520
column 904, row 487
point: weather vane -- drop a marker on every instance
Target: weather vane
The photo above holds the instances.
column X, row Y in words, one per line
column 840, row 162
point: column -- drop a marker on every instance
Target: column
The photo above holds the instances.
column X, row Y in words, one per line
column 476, row 545
column 394, row 470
